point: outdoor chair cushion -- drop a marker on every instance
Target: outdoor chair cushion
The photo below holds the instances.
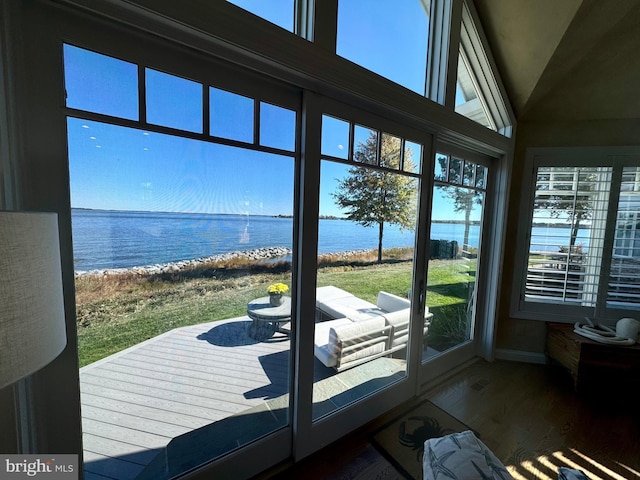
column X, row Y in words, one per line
column 332, row 338
column 399, row 320
column 392, row 303
column 350, row 306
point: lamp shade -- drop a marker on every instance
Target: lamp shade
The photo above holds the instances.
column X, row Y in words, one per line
column 32, row 324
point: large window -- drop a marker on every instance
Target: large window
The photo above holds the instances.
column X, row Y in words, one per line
column 582, row 244
column 181, row 223
column 187, row 185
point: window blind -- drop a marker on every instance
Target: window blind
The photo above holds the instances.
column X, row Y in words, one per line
column 567, row 234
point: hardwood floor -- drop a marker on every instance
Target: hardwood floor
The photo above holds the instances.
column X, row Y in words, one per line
column 527, row 414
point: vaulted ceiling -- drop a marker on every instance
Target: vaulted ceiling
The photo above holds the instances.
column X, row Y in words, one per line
column 566, row 60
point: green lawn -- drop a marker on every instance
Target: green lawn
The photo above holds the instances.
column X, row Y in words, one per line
column 114, row 314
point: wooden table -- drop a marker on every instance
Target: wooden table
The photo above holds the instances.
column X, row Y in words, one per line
column 268, row 319
column 594, row 366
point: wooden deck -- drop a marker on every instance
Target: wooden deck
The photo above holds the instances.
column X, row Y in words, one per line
column 179, row 384
column 136, row 401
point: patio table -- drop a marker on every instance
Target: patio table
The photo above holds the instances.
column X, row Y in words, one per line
column 268, row 319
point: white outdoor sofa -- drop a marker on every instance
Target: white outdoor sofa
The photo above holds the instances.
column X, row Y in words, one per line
column 358, row 331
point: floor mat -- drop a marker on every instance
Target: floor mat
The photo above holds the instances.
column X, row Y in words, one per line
column 402, row 440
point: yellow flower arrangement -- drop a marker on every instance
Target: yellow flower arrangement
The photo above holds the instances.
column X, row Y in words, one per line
column 278, row 289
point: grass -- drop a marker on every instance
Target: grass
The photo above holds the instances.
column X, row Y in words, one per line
column 117, row 312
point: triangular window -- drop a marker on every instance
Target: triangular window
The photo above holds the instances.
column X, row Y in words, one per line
column 479, row 93
column 469, row 101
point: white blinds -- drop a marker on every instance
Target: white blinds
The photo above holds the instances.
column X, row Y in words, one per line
column 567, row 234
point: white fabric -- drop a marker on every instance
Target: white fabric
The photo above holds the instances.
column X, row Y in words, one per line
column 329, row 334
column 321, row 349
column 461, row 456
column 351, row 307
column 391, row 303
column 325, row 294
column 32, row 318
column 400, row 322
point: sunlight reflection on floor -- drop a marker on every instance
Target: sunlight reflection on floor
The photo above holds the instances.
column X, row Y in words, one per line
column 545, row 467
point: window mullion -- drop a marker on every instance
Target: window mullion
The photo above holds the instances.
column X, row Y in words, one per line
column 607, row 249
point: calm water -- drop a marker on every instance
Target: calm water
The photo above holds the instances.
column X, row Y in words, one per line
column 108, row 239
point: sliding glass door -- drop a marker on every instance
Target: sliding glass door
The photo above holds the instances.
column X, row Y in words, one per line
column 182, row 206
column 460, row 181
column 367, row 323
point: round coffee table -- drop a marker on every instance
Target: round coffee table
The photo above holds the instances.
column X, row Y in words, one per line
column 267, row 319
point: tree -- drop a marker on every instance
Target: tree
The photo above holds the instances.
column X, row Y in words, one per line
column 463, row 198
column 375, row 196
column 567, row 191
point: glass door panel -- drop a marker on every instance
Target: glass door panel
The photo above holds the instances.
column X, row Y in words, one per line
column 367, row 227
column 179, row 238
column 456, row 225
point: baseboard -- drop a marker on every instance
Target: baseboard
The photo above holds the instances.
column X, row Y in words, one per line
column 520, row 356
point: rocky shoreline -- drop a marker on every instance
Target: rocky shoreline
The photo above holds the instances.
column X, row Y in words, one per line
column 175, row 267
column 267, row 253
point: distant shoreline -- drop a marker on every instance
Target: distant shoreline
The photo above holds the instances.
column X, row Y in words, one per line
column 162, row 212
column 267, row 253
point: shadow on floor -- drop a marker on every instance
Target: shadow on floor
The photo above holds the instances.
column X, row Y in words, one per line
column 231, row 334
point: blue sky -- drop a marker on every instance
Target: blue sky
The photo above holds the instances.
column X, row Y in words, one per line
column 122, row 168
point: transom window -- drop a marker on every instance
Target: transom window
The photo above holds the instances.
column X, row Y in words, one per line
column 389, row 38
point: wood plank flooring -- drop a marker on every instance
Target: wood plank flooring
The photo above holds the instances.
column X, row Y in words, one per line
column 534, row 421
column 529, row 415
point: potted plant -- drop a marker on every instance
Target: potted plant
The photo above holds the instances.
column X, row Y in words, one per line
column 275, row 293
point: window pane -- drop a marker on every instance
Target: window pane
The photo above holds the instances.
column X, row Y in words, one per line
column 231, row 115
column 173, row 101
column 390, row 151
column 335, row 137
column 412, row 157
column 441, row 168
column 468, row 179
column 100, row 84
column 387, row 37
column 280, row 12
column 455, row 170
column 481, row 176
column 168, row 233
column 468, row 99
column 277, row 127
column 365, row 140
column 567, row 234
column 366, row 236
column 624, row 280
column 454, row 249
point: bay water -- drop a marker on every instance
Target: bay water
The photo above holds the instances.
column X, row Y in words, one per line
column 118, row 239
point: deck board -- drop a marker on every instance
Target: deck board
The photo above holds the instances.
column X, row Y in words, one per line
column 136, row 401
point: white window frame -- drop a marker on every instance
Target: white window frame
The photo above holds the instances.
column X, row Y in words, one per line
column 615, row 157
column 473, row 48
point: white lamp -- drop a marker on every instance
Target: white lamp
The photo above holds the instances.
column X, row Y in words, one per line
column 32, row 324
